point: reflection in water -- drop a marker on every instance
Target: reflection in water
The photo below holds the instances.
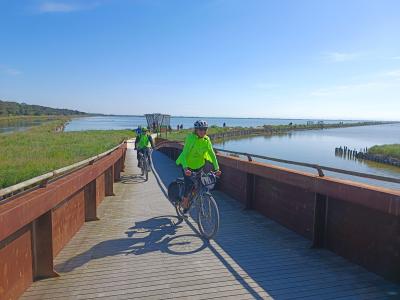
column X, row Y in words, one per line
column 363, row 154
column 8, row 126
column 318, row 146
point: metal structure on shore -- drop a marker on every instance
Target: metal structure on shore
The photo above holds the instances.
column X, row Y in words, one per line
column 158, row 122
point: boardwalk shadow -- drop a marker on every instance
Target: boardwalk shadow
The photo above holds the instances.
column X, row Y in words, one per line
column 269, row 260
column 132, row 179
column 155, row 234
column 165, row 169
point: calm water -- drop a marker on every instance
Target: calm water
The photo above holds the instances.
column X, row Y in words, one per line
column 20, row 125
column 318, row 146
column 130, row 122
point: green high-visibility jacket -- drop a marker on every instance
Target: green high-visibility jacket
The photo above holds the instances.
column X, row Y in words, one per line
column 144, row 141
column 196, row 151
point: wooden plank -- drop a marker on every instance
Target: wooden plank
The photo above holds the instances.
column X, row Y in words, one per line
column 140, row 250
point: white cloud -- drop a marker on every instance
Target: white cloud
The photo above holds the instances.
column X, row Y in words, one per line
column 341, row 56
column 362, row 88
column 379, row 81
column 393, row 73
column 9, row 71
column 49, row 7
column 338, row 89
column 66, row 7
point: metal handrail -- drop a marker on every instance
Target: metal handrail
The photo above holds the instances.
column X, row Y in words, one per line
column 319, row 168
column 42, row 180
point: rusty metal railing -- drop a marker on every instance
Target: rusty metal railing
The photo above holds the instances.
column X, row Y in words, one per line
column 42, row 180
column 319, row 168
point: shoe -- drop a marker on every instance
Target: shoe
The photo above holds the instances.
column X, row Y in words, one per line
column 185, row 210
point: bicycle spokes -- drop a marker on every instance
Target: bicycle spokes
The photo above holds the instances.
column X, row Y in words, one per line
column 208, row 216
column 205, row 210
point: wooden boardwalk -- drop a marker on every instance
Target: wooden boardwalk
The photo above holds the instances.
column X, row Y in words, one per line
column 140, row 250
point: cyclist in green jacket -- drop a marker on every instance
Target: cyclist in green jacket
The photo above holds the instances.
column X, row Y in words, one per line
column 143, row 142
column 196, row 151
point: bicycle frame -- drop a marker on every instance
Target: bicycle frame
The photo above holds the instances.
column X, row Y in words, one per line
column 198, row 188
column 206, row 209
column 145, row 155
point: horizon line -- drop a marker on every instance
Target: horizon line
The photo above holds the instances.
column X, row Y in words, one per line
column 263, row 118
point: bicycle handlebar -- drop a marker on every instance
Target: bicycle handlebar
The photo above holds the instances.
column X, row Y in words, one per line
column 195, row 174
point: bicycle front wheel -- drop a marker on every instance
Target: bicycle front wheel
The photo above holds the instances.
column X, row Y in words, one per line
column 146, row 169
column 141, row 166
column 208, row 216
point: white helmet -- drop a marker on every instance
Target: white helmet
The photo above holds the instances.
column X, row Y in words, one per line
column 201, row 124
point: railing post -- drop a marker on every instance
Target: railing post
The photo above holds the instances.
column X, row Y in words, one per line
column 109, row 181
column 320, row 221
column 42, row 246
column 117, row 170
column 250, row 190
column 123, row 158
column 90, row 202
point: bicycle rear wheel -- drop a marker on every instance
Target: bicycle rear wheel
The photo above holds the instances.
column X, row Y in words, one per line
column 179, row 210
column 140, row 164
column 208, row 216
column 145, row 169
column 175, row 193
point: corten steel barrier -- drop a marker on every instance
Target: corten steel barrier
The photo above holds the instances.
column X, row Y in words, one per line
column 37, row 224
column 357, row 221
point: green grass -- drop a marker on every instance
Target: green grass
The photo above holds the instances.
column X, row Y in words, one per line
column 24, row 155
column 392, row 150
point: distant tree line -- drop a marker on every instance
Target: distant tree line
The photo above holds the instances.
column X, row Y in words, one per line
column 8, row 108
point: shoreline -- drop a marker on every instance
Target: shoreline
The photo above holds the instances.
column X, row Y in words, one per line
column 218, row 134
column 28, row 122
column 34, row 117
column 375, row 154
column 388, row 154
column 269, row 130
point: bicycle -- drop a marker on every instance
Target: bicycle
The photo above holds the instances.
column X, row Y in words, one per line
column 145, row 163
column 200, row 197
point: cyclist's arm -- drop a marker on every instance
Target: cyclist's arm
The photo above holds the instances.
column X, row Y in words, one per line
column 137, row 141
column 186, row 147
column 151, row 141
column 213, row 156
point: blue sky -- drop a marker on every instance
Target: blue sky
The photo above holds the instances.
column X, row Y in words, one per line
column 287, row 59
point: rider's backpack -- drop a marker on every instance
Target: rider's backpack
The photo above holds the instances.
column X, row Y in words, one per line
column 173, row 192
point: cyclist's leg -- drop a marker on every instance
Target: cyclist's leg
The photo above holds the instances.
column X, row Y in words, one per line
column 188, row 184
column 147, row 150
column 139, row 153
column 188, row 187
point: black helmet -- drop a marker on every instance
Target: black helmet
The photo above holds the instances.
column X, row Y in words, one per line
column 201, row 124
